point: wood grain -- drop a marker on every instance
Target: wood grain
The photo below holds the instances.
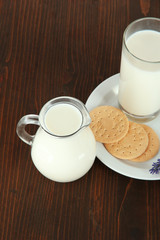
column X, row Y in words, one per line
column 50, row 48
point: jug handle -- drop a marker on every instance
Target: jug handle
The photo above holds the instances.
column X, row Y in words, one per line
column 21, row 132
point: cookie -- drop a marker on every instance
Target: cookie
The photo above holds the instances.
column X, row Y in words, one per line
column 109, row 124
column 132, row 145
column 153, row 145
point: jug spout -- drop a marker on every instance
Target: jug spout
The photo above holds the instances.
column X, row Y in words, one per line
column 86, row 117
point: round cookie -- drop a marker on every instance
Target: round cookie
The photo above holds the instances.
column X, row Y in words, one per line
column 132, row 145
column 153, row 145
column 109, row 124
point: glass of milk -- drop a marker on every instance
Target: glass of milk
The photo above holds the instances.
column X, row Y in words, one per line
column 139, row 84
column 63, row 148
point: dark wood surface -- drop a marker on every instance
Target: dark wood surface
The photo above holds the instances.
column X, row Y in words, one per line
column 50, row 48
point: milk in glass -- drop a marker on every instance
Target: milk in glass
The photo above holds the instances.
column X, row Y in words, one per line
column 139, row 86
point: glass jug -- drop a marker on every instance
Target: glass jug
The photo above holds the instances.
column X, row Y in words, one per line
column 63, row 148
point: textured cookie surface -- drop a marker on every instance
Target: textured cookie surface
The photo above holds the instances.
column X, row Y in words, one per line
column 153, row 145
column 109, row 124
column 132, row 145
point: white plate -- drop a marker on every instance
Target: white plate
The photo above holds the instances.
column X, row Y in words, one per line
column 106, row 94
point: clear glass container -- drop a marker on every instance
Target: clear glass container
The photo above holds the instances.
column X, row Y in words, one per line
column 64, row 157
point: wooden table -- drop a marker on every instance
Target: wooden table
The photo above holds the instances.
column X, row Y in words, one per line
column 50, row 48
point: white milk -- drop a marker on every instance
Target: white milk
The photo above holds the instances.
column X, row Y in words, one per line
column 64, row 159
column 63, row 119
column 139, row 89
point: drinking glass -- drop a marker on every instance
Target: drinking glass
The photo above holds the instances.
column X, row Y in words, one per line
column 139, row 84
